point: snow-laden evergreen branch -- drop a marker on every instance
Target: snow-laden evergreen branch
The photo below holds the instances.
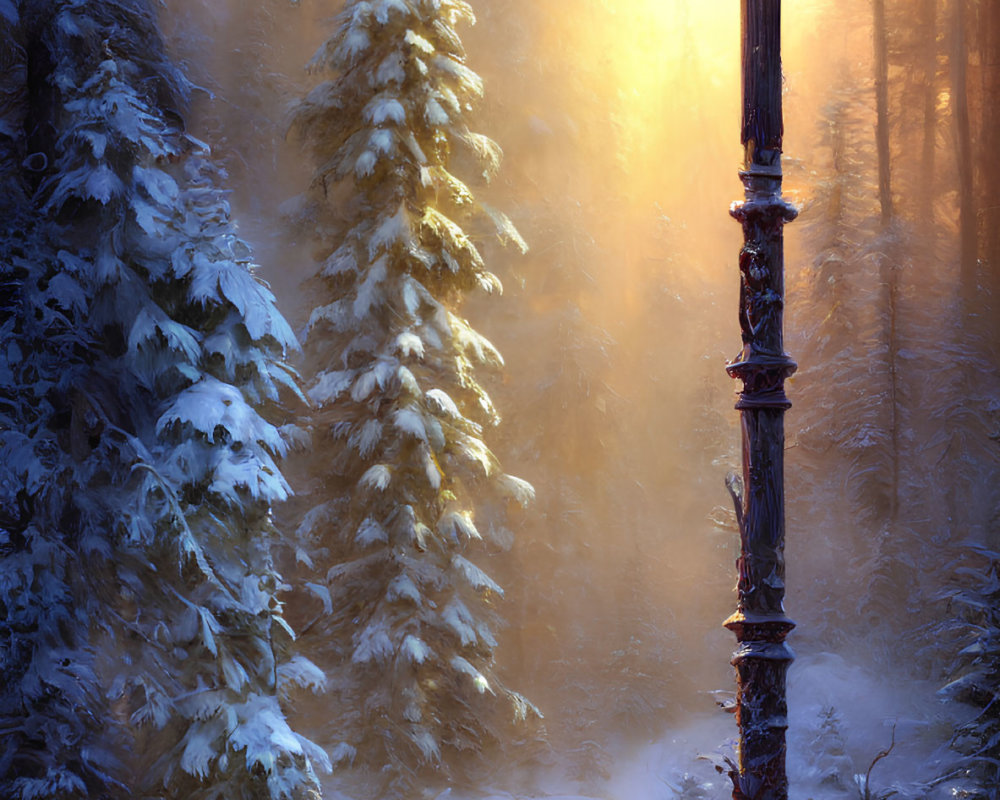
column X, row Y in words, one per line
column 975, row 671
column 144, row 449
column 407, row 490
column 58, row 736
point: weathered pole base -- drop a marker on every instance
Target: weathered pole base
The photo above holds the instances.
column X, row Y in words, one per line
column 761, row 662
column 760, row 624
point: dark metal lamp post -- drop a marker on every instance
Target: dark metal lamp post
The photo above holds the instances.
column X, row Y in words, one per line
column 760, row 624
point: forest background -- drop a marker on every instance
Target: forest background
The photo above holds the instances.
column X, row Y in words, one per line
column 619, row 128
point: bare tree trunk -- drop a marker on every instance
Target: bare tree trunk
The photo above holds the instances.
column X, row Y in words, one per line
column 13, row 109
column 881, row 42
column 925, row 209
column 891, row 282
column 887, row 267
column 963, row 137
column 989, row 156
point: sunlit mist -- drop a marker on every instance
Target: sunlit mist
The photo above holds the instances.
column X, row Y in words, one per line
column 619, row 123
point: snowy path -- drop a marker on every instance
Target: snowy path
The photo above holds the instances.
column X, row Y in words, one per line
column 826, row 750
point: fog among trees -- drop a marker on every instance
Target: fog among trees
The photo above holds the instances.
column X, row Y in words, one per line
column 364, row 422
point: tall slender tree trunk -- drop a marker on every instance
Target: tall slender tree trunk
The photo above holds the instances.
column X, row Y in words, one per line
column 889, row 272
column 989, row 157
column 925, row 199
column 963, row 138
column 13, row 109
column 882, row 110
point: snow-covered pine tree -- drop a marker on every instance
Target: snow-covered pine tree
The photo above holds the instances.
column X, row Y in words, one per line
column 975, row 671
column 163, row 411
column 842, row 422
column 58, row 732
column 54, row 716
column 406, row 489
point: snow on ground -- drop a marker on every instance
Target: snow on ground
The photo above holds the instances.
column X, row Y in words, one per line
column 841, row 717
column 869, row 705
